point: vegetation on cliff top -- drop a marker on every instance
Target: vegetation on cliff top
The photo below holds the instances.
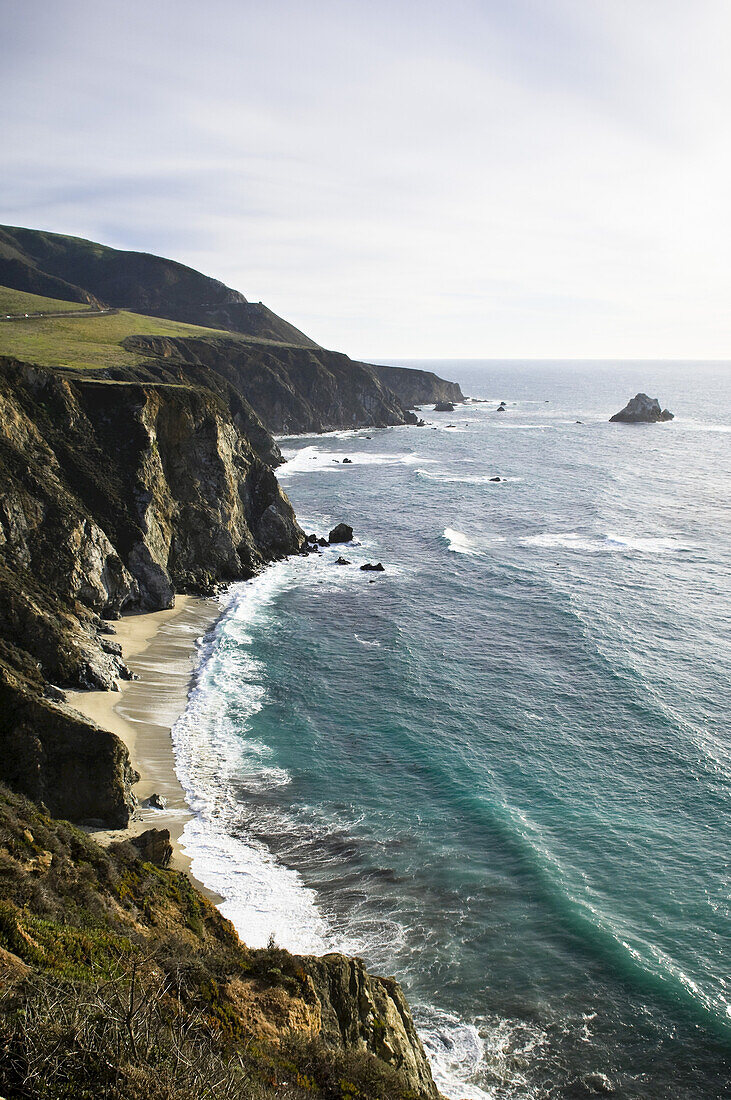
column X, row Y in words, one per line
column 79, row 342
column 118, row 980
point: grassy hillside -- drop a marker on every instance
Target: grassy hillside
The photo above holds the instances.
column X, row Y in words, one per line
column 81, row 342
column 74, row 269
column 19, row 301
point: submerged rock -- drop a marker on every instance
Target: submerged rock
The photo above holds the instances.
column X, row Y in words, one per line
column 641, row 410
column 342, row 532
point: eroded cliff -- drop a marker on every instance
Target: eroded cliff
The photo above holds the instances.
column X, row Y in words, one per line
column 112, row 496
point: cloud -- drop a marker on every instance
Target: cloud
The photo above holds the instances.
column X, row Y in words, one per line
column 472, row 179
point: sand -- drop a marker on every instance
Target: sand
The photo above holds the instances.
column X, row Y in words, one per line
column 159, row 647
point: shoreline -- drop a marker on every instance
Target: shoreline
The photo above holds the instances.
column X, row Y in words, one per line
column 159, row 647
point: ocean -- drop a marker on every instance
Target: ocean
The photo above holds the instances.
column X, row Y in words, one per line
column 499, row 770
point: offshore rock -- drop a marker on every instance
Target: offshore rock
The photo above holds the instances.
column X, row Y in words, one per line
column 342, row 532
column 444, row 407
column 642, row 410
column 370, row 568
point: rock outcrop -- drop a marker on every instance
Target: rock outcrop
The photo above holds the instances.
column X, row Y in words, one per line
column 369, row 1014
column 642, row 409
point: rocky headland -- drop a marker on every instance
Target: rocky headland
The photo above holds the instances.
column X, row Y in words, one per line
column 142, row 470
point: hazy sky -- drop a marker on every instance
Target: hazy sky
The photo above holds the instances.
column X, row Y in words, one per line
column 504, row 178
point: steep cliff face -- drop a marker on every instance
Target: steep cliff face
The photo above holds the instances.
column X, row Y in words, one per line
column 292, row 389
column 417, row 387
column 367, row 1013
column 112, row 496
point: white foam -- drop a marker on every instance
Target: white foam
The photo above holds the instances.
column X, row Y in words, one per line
column 480, row 1060
column 607, row 543
column 459, row 543
column 466, row 479
column 312, row 459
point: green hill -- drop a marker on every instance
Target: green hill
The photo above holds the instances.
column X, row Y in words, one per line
column 77, row 270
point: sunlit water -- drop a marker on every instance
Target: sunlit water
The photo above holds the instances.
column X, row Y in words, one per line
column 500, row 770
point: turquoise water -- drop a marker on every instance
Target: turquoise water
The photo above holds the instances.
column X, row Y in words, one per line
column 500, row 770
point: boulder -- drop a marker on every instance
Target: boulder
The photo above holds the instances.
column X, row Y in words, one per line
column 322, row 542
column 444, row 407
column 342, row 561
column 342, row 532
column 347, row 462
column 641, row 410
column 370, row 568
column 154, row 846
column 156, row 801
column 496, row 479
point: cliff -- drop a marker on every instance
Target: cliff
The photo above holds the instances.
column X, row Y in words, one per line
column 292, row 389
column 112, row 496
column 294, row 385
column 417, row 387
column 118, row 979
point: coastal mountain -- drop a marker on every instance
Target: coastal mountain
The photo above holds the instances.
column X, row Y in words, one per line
column 84, row 271
column 294, row 385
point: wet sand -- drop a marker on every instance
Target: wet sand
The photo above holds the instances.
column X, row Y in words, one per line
column 159, row 647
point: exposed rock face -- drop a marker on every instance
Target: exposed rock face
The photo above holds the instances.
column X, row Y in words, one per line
column 417, row 387
column 154, row 846
column 642, row 410
column 366, row 1013
column 112, row 496
column 50, row 753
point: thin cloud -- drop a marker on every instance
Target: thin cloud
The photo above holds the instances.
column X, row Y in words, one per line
column 472, row 179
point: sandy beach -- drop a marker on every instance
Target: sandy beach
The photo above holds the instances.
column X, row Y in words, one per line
column 159, row 647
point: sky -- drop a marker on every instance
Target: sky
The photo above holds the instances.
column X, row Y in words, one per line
column 433, row 179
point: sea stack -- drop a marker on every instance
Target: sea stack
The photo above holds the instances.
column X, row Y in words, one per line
column 641, row 410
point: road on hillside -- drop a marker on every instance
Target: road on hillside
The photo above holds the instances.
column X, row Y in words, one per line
column 60, row 313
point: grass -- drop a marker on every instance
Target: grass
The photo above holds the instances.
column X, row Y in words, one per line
column 87, row 342
column 93, row 342
column 17, row 301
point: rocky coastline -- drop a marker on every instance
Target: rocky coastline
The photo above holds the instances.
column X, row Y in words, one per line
column 123, row 487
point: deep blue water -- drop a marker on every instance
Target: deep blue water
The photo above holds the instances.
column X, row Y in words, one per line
column 501, row 769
